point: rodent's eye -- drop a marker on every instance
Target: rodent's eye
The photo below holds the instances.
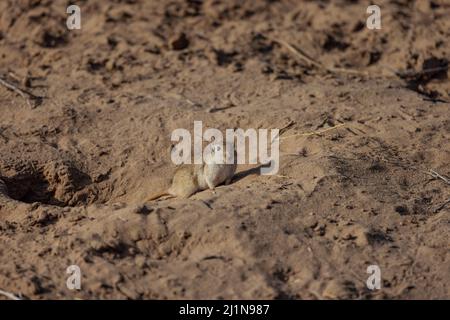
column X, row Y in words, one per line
column 217, row 148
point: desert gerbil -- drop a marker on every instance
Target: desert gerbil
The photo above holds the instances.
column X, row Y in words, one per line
column 191, row 178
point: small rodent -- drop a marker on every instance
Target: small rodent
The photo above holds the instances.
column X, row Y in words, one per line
column 192, row 178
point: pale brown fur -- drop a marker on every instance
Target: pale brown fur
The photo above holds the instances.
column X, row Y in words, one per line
column 189, row 179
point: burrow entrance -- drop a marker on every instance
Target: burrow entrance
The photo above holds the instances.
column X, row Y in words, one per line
column 54, row 184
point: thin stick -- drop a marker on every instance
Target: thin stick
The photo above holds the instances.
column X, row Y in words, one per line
column 24, row 94
column 287, row 127
column 182, row 97
column 9, row 295
column 283, row 130
column 215, row 109
column 302, row 55
column 439, row 208
column 436, row 175
column 318, row 132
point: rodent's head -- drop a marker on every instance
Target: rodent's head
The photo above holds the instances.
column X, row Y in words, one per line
column 216, row 149
column 219, row 154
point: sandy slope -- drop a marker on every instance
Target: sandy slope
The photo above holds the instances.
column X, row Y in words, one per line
column 78, row 166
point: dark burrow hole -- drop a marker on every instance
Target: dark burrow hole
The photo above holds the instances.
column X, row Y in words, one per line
column 56, row 189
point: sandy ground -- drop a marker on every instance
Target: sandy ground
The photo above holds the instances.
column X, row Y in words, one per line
column 79, row 156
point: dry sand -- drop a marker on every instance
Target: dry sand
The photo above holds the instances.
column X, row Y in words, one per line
column 79, row 162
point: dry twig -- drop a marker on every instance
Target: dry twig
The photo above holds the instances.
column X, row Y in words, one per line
column 305, row 57
column 299, row 53
column 9, row 295
column 436, row 175
column 441, row 206
column 23, row 93
column 318, row 132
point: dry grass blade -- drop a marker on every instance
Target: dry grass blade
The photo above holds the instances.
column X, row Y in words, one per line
column 436, row 175
column 283, row 130
column 318, row 132
column 440, row 207
column 24, row 94
column 299, row 53
column 9, row 295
